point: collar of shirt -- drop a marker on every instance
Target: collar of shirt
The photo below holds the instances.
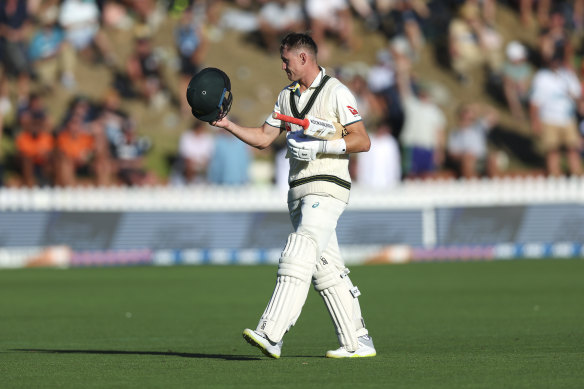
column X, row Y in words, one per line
column 295, row 87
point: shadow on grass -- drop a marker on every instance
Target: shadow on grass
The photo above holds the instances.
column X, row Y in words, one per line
column 169, row 353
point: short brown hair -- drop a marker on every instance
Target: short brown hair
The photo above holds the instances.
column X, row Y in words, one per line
column 296, row 40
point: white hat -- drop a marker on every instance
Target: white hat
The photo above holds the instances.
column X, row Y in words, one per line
column 515, row 51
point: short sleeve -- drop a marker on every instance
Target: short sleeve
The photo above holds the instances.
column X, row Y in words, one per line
column 346, row 106
column 270, row 120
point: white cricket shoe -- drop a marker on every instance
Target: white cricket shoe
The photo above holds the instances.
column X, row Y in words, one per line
column 271, row 349
column 366, row 349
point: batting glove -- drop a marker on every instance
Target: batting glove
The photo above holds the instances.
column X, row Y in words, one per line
column 304, row 148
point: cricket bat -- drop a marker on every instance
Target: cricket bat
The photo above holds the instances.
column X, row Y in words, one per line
column 315, row 127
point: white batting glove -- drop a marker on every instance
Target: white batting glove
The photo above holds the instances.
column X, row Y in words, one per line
column 304, row 148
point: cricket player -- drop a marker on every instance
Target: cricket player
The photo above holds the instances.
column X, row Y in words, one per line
column 319, row 183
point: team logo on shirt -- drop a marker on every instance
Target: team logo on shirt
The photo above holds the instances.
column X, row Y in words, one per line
column 352, row 110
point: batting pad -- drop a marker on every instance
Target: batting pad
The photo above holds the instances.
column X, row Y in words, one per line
column 340, row 296
column 294, row 272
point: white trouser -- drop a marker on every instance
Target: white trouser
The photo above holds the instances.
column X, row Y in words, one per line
column 314, row 218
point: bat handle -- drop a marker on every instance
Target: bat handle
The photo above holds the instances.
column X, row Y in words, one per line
column 301, row 122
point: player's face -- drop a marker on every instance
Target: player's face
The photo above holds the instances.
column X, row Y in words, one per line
column 292, row 64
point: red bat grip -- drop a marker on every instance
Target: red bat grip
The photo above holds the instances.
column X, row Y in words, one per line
column 290, row 119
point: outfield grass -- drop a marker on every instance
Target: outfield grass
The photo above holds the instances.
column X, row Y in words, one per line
column 516, row 324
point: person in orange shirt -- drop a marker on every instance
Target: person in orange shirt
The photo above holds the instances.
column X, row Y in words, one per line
column 75, row 148
column 35, row 144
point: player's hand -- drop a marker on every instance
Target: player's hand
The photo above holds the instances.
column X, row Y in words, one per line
column 222, row 123
column 303, row 148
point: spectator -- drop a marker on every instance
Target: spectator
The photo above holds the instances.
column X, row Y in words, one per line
column 472, row 43
column 517, row 75
column 408, row 16
column 467, row 143
column 380, row 168
column 81, row 21
column 194, row 153
column 276, row 18
column 14, row 20
column 330, row 16
column 382, row 74
column 423, row 132
column 34, row 144
column 191, row 45
column 381, row 82
column 51, row 55
column 145, row 72
column 555, row 89
column 542, row 12
column 128, row 152
column 230, row 161
column 75, row 149
column 82, row 148
column 112, row 118
column 555, row 40
column 370, row 107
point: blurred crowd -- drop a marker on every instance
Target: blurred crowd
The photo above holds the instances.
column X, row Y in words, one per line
column 416, row 133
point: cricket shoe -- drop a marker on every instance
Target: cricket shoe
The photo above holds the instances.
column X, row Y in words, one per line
column 366, row 349
column 271, row 349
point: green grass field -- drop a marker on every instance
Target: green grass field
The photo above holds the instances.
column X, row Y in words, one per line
column 517, row 324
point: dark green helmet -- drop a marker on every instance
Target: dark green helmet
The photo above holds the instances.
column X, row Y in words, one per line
column 209, row 94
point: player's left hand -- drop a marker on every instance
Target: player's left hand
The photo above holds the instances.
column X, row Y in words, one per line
column 303, row 148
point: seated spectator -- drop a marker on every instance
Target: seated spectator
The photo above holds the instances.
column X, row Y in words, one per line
column 423, row 131
column 145, row 72
column 408, row 16
column 81, row 21
column 555, row 40
column 330, row 16
column 111, row 117
column 472, row 43
column 555, row 90
column 83, row 127
column 382, row 83
column 75, row 149
column 51, row 55
column 128, row 152
column 380, row 167
column 542, row 11
column 517, row 75
column 191, row 45
column 371, row 109
column 230, row 161
column 14, row 20
column 276, row 18
column 34, row 144
column 195, row 148
column 467, row 143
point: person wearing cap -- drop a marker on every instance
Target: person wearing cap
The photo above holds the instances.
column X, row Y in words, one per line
column 517, row 75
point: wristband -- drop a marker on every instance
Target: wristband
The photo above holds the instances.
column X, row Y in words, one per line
column 337, row 146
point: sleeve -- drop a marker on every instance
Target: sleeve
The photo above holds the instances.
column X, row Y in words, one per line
column 454, row 143
column 535, row 94
column 275, row 122
column 574, row 87
column 345, row 106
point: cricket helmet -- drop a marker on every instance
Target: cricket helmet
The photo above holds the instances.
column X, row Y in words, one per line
column 209, row 94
